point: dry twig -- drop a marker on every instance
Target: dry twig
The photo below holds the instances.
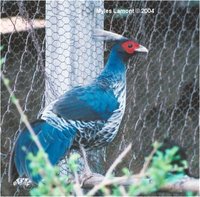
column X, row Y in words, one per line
column 183, row 185
column 109, row 172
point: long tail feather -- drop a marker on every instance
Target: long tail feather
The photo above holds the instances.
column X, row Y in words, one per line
column 55, row 143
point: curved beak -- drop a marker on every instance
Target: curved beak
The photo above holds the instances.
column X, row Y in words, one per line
column 142, row 49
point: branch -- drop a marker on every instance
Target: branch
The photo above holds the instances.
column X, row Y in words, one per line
column 109, row 172
column 17, row 24
column 148, row 160
column 183, row 185
column 118, row 160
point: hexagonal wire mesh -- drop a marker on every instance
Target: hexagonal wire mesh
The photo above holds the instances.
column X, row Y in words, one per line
column 24, row 67
column 162, row 92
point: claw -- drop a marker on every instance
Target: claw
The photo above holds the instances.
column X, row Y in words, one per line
column 85, row 177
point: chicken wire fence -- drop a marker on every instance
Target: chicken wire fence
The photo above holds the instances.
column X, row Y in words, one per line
column 162, row 89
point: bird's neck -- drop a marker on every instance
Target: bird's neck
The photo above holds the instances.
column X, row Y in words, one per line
column 115, row 63
column 115, row 68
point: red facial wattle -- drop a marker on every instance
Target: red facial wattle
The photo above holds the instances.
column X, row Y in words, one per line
column 130, row 46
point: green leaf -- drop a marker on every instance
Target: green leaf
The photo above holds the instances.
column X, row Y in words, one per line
column 126, row 171
column 2, row 61
column 6, row 81
column 14, row 99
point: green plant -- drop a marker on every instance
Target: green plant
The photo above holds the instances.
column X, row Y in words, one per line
column 52, row 184
column 159, row 172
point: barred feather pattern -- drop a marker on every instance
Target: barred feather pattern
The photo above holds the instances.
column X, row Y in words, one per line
column 97, row 134
column 93, row 134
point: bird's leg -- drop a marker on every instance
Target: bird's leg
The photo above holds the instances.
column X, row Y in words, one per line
column 87, row 173
column 87, row 169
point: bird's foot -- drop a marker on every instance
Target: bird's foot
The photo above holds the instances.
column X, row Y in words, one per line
column 88, row 175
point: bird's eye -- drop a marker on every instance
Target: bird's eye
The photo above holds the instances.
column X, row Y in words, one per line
column 130, row 45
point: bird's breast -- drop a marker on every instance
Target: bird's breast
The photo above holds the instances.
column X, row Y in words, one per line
column 100, row 133
column 111, row 127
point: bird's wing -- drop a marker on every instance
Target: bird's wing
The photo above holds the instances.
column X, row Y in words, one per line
column 88, row 103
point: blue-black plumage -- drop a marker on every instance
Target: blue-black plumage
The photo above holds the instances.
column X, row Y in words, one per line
column 90, row 103
column 88, row 116
column 54, row 142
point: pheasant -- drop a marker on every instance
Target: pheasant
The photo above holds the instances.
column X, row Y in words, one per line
column 86, row 117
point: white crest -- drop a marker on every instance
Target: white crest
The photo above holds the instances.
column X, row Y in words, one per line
column 101, row 34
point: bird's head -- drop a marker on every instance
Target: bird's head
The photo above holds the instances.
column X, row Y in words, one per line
column 128, row 48
column 123, row 46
